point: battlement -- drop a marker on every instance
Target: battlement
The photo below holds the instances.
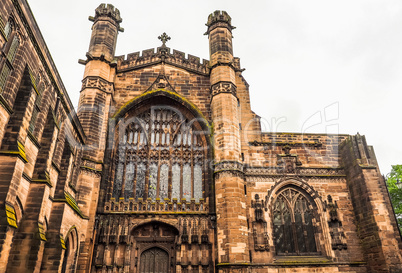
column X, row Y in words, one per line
column 107, row 10
column 151, row 56
column 219, row 16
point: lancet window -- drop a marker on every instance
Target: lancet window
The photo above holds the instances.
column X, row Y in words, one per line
column 161, row 155
column 293, row 224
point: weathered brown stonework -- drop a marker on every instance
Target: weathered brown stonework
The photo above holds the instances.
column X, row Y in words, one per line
column 165, row 169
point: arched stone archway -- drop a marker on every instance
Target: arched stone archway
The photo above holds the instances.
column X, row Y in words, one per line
column 154, row 260
column 70, row 252
column 154, row 247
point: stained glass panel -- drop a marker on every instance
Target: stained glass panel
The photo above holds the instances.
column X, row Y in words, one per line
column 153, row 181
column 129, row 181
column 164, row 182
column 187, row 182
column 176, row 181
column 197, row 182
column 160, row 134
column 293, row 227
column 119, row 172
column 140, row 187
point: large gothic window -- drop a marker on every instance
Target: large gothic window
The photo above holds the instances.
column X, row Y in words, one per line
column 293, row 224
column 161, row 155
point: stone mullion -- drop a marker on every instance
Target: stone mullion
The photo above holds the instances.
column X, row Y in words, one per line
column 159, row 147
column 159, row 171
column 136, row 165
column 149, row 148
column 192, row 164
column 112, row 177
column 123, row 182
column 181, row 168
column 171, row 149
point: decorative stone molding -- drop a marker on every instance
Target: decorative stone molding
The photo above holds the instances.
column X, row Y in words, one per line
column 228, row 169
column 288, row 162
column 161, row 82
column 298, row 182
column 98, row 83
column 314, row 144
column 228, row 165
column 223, row 87
column 330, row 173
column 157, row 206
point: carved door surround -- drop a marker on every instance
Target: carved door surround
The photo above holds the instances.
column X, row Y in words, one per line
column 154, row 242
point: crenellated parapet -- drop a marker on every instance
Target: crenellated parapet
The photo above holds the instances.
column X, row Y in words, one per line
column 219, row 18
column 106, row 10
column 151, row 56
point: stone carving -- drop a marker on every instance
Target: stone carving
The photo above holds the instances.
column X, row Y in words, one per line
column 288, row 162
column 164, row 38
column 260, row 233
column 228, row 169
column 98, row 83
column 223, row 87
column 336, row 230
column 228, row 165
column 310, row 172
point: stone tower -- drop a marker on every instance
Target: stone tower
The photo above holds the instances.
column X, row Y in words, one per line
column 229, row 182
column 94, row 112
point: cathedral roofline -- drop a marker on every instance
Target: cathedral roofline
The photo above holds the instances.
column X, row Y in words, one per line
column 36, row 37
column 153, row 56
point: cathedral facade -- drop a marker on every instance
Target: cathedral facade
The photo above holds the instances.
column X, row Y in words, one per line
column 164, row 167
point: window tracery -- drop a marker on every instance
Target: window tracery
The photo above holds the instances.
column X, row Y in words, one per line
column 160, row 156
column 293, row 224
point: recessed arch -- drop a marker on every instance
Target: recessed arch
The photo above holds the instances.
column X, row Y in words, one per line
column 70, row 251
column 294, row 220
column 153, row 222
column 160, row 150
column 300, row 184
column 317, row 210
column 162, row 93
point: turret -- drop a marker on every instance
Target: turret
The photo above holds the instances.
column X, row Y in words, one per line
column 220, row 37
column 94, row 112
column 229, row 181
column 104, row 32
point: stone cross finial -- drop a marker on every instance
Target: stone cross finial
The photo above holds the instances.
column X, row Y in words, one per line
column 164, row 38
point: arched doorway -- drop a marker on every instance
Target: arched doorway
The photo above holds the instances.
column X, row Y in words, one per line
column 70, row 252
column 154, row 245
column 154, row 260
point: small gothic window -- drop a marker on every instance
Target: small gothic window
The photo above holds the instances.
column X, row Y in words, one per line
column 293, row 224
column 8, row 28
column 160, row 156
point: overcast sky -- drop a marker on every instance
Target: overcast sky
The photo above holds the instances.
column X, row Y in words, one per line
column 313, row 66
